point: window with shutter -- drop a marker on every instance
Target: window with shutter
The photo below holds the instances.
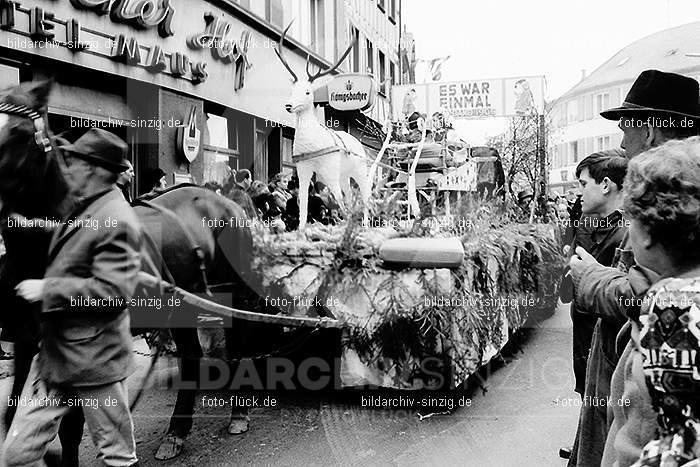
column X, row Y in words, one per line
column 274, row 12
column 565, row 154
column 615, row 97
column 589, row 107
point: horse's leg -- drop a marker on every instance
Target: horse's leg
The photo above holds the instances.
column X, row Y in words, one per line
column 71, row 434
column 240, row 421
column 190, row 353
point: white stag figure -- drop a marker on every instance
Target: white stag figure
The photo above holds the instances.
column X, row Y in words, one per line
column 335, row 156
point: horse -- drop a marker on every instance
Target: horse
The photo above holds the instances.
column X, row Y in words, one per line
column 180, row 243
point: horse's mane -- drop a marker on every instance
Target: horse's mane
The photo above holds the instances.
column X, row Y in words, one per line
column 31, row 181
column 169, row 190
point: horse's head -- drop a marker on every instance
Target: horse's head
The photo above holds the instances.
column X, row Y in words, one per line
column 31, row 181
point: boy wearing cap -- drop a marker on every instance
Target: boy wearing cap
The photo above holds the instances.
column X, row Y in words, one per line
column 86, row 345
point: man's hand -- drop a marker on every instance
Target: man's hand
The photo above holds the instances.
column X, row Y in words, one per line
column 32, row 290
column 580, row 261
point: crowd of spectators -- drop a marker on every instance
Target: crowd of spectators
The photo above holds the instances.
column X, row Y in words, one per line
column 277, row 203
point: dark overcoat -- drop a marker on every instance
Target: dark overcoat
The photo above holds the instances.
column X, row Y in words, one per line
column 94, row 259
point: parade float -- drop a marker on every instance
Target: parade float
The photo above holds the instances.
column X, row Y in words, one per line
column 411, row 327
column 429, row 274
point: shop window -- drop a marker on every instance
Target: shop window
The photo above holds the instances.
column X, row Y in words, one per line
column 287, row 145
column 370, row 57
column 261, row 155
column 9, row 76
column 274, row 12
column 223, row 141
column 382, row 73
column 317, row 24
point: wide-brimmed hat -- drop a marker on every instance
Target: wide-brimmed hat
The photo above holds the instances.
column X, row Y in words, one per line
column 101, row 148
column 659, row 93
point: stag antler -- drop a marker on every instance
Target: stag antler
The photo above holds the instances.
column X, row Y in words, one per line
column 278, row 51
column 321, row 73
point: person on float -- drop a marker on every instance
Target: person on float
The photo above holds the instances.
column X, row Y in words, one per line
column 86, row 345
column 655, row 100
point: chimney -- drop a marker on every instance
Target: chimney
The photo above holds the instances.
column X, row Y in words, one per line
column 583, row 74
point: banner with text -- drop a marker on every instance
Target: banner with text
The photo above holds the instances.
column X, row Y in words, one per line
column 479, row 98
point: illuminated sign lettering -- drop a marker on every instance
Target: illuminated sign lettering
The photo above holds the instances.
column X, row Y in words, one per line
column 39, row 26
column 224, row 49
column 143, row 14
column 7, row 14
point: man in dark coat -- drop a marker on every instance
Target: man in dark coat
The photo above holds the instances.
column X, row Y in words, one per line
column 655, row 101
column 85, row 351
column 601, row 178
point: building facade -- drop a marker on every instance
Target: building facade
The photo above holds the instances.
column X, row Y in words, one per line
column 376, row 26
column 188, row 87
column 578, row 129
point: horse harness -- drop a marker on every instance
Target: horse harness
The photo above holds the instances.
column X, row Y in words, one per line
column 339, row 146
column 194, row 246
column 40, row 136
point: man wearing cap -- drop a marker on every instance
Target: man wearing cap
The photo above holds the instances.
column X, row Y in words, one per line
column 658, row 108
column 85, row 352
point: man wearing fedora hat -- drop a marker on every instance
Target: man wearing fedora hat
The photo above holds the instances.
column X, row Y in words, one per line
column 86, row 345
column 659, row 107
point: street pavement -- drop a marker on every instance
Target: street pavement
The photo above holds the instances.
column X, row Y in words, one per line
column 524, row 411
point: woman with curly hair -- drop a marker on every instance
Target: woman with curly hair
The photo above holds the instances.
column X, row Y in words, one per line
column 655, row 391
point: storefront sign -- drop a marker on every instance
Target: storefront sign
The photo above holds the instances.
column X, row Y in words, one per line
column 472, row 98
column 463, row 178
column 214, row 66
column 189, row 138
column 224, row 47
column 139, row 13
column 44, row 31
column 351, row 92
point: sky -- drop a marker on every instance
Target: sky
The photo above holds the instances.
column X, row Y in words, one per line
column 554, row 38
